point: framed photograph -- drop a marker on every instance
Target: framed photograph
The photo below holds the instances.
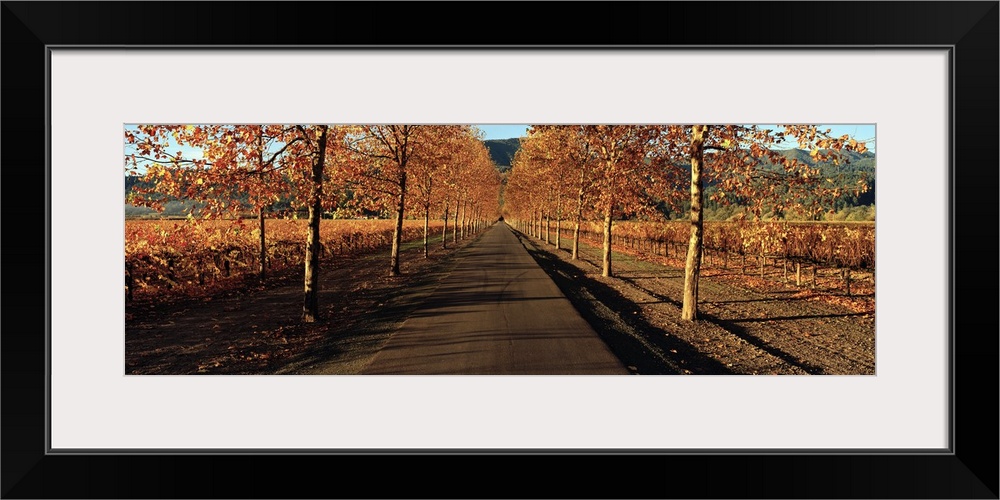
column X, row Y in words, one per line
column 922, row 76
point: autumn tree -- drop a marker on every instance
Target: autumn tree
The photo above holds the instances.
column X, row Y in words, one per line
column 622, row 175
column 432, row 167
column 522, row 197
column 539, row 153
column 692, row 266
column 484, row 185
column 473, row 185
column 240, row 167
column 239, row 170
column 381, row 173
column 745, row 167
column 315, row 148
column 537, row 181
column 572, row 173
column 452, row 187
column 446, row 191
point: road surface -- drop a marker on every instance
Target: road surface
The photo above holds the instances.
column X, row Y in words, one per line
column 497, row 313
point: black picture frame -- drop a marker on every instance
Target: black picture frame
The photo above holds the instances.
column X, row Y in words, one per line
column 969, row 471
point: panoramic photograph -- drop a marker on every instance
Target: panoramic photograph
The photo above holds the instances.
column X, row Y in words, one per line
column 499, row 249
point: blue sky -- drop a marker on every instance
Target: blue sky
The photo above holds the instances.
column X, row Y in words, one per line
column 503, row 131
column 865, row 133
column 858, row 132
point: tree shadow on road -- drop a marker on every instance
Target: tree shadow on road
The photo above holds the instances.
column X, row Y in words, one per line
column 374, row 313
column 643, row 347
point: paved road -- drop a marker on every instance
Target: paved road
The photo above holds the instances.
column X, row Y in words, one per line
column 496, row 313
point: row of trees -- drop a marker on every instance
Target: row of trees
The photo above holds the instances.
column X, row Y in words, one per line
column 607, row 172
column 435, row 170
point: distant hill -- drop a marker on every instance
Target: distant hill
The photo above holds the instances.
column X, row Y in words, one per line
column 859, row 165
column 132, row 180
column 856, row 161
column 845, row 175
column 502, row 151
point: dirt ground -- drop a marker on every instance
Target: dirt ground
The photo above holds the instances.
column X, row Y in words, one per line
column 746, row 325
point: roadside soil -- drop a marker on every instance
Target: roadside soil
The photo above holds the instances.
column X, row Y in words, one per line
column 746, row 325
column 256, row 328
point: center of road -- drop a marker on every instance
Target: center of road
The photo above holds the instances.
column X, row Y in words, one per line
column 497, row 313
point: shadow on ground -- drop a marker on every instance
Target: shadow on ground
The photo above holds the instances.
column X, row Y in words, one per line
column 643, row 347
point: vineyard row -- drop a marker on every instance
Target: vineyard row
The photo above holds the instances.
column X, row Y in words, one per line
column 849, row 246
column 182, row 258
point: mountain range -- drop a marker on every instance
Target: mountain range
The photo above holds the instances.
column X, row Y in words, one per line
column 502, row 151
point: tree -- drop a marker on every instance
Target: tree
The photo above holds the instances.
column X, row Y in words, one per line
column 238, row 170
column 623, row 177
column 484, row 184
column 574, row 177
column 384, row 154
column 521, row 197
column 744, row 166
column 431, row 168
column 315, row 148
column 245, row 173
column 692, row 266
column 241, row 166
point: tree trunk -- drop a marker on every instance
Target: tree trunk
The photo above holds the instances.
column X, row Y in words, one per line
column 444, row 231
column 606, row 268
column 397, row 232
column 579, row 218
column 427, row 225
column 558, row 219
column 548, row 228
column 310, row 307
column 129, row 282
column 260, row 211
column 263, row 244
column 692, row 269
column 558, row 232
column 465, row 217
column 454, row 229
column 576, row 241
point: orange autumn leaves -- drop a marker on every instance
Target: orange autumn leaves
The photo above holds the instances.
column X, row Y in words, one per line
column 627, row 171
column 230, row 170
column 234, row 169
